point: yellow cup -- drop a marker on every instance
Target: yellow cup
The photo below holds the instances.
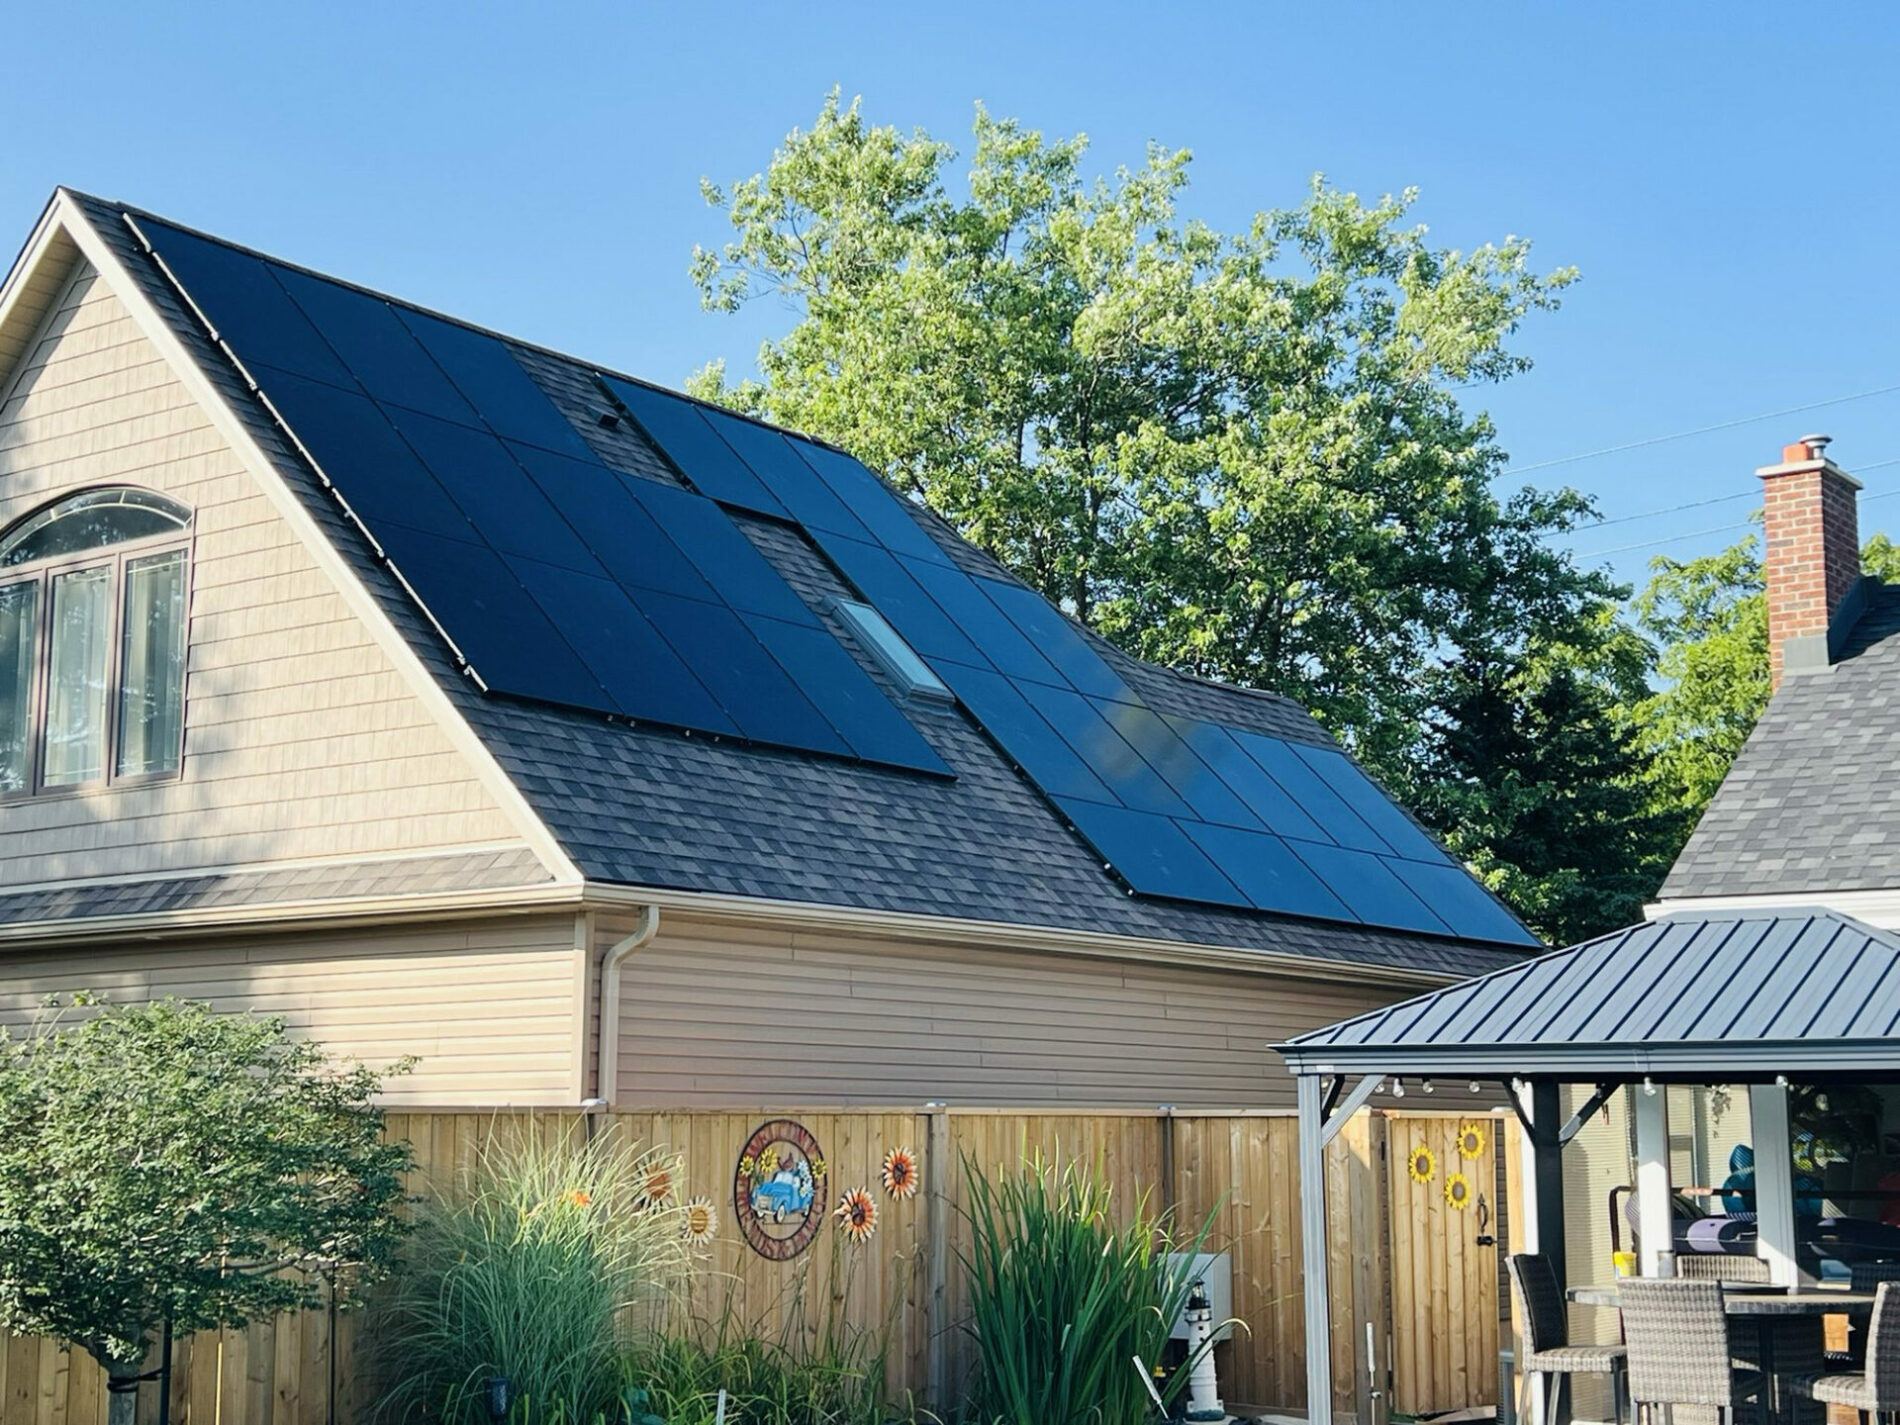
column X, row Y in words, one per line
column 1624, row 1263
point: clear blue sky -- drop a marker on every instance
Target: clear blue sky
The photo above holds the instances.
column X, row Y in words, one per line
column 1722, row 174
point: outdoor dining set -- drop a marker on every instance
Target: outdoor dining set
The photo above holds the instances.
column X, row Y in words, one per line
column 1718, row 1336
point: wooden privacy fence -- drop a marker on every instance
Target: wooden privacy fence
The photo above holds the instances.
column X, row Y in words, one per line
column 1393, row 1241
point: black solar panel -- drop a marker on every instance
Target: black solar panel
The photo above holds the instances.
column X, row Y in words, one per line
column 562, row 579
column 555, row 576
column 697, row 451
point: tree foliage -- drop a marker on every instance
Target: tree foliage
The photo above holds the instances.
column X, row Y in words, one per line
column 165, row 1162
column 1244, row 454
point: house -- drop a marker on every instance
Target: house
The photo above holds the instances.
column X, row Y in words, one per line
column 459, row 699
column 1810, row 812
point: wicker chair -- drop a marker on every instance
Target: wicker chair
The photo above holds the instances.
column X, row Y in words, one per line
column 1678, row 1348
column 1714, row 1267
column 1876, row 1390
column 1547, row 1348
column 1866, row 1276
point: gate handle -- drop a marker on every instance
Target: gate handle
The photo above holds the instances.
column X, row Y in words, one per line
column 1485, row 1239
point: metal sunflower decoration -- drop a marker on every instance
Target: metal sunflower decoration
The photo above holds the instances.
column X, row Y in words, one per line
column 1421, row 1164
column 1471, row 1141
column 857, row 1215
column 700, row 1220
column 657, row 1189
column 900, row 1173
column 1457, row 1192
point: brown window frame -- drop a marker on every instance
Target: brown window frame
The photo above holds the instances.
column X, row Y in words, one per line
column 43, row 572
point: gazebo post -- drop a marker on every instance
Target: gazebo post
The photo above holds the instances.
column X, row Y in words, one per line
column 1774, row 1181
column 1655, row 1193
column 1319, row 1315
column 1542, row 1210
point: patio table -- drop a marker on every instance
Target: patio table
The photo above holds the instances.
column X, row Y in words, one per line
column 1769, row 1307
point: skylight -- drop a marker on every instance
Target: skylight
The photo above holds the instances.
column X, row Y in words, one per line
column 897, row 657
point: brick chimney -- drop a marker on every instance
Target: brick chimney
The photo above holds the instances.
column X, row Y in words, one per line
column 1812, row 562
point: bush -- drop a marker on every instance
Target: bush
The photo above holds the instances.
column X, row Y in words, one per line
column 1062, row 1300
column 537, row 1273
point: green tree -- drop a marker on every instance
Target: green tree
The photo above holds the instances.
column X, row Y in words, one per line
column 166, row 1163
column 1244, row 454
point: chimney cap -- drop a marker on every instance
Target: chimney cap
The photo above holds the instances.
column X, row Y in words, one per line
column 1817, row 443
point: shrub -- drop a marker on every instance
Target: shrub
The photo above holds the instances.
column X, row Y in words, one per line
column 1062, row 1299
column 164, row 1162
column 539, row 1272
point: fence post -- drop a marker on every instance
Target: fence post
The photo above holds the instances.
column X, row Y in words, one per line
column 937, row 1258
column 1170, row 1192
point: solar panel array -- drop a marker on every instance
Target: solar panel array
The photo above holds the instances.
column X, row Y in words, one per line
column 1177, row 806
column 557, row 577
column 564, row 580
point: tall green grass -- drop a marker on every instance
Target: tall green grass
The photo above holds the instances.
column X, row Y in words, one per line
column 1062, row 1298
column 795, row 1366
column 536, row 1272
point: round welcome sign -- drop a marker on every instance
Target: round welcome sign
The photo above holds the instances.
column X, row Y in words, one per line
column 778, row 1191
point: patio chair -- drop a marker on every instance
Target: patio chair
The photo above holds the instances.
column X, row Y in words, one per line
column 1876, row 1390
column 1678, row 1349
column 1719, row 1267
column 1863, row 1276
column 1547, row 1348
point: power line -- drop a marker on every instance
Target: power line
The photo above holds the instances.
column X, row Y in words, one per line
column 1718, row 529
column 1699, row 430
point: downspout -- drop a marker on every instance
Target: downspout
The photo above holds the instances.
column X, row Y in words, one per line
column 607, row 1053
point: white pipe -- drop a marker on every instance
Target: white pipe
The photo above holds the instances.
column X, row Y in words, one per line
column 607, row 1056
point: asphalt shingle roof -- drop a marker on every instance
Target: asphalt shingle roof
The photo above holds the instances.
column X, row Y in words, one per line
column 649, row 807
column 1813, row 802
column 446, row 874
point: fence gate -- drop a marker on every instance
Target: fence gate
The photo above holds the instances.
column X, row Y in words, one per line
column 1446, row 1256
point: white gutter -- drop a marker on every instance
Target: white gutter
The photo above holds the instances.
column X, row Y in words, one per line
column 607, row 1056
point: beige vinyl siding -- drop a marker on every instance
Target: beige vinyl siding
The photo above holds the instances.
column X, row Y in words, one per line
column 302, row 739
column 487, row 1006
column 727, row 1015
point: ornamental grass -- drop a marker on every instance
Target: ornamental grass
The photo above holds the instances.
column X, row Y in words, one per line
column 541, row 1273
column 1063, row 1299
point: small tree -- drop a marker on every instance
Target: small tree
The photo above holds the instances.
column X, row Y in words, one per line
column 166, row 1162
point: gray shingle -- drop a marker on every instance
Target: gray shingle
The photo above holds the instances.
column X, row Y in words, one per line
column 1813, row 802
column 346, row 880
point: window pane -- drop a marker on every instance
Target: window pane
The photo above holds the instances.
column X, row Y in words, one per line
column 92, row 520
column 152, row 667
column 77, row 660
column 19, row 630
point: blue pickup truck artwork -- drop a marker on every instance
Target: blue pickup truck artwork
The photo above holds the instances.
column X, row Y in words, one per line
column 786, row 1193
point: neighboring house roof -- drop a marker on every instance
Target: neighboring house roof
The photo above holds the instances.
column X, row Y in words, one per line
column 645, row 806
column 1812, row 804
column 1790, row 991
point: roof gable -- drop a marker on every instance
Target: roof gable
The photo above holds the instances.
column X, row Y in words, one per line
column 633, row 800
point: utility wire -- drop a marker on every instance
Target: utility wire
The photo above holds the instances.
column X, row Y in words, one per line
column 1699, row 430
column 1725, row 528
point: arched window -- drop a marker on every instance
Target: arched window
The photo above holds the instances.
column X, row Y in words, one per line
column 92, row 641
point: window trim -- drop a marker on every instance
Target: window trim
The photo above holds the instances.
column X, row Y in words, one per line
column 43, row 572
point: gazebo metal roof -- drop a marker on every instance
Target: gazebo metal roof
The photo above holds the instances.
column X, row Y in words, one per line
column 1707, row 996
